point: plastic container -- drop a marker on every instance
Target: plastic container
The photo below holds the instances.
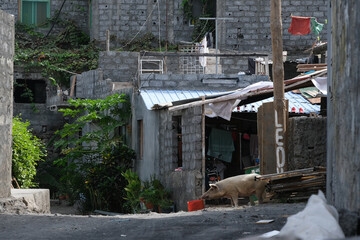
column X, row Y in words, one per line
column 195, row 205
column 252, row 169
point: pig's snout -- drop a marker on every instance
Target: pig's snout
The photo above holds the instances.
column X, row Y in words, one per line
column 205, row 196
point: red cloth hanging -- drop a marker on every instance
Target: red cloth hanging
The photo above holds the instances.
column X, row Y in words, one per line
column 300, row 25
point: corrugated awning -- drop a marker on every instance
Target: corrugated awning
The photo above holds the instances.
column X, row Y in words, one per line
column 156, row 99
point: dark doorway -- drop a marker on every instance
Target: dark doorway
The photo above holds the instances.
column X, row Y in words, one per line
column 30, row 91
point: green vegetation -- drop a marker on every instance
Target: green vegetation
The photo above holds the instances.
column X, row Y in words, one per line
column 204, row 26
column 133, row 190
column 27, row 151
column 151, row 192
column 93, row 161
column 56, row 56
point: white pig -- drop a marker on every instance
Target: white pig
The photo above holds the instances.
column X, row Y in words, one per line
column 238, row 186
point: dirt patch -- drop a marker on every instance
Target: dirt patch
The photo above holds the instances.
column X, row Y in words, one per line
column 221, row 222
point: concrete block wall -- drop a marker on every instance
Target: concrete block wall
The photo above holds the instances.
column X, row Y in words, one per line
column 248, row 28
column 92, row 85
column 306, row 147
column 7, row 35
column 185, row 185
column 221, row 82
column 11, row 7
column 119, row 66
column 126, row 19
column 75, row 10
column 234, row 65
column 191, row 138
column 124, row 67
column 168, row 139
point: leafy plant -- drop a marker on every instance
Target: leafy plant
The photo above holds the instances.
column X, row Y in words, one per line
column 92, row 161
column 57, row 56
column 105, row 182
column 201, row 28
column 133, row 190
column 151, row 192
column 27, row 151
column 187, row 8
column 103, row 115
column 155, row 193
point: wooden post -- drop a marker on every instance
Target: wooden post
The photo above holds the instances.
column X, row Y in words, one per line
column 73, row 83
column 278, row 78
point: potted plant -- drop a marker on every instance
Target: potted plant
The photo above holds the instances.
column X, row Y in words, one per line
column 133, row 190
column 155, row 194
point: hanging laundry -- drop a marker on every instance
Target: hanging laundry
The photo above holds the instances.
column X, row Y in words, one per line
column 221, row 145
column 203, row 49
column 316, row 27
column 300, row 25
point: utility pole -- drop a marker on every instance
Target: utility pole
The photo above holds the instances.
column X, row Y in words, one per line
column 278, row 79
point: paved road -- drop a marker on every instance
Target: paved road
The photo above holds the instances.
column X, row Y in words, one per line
column 211, row 223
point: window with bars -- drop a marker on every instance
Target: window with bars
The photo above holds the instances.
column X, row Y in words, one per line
column 35, row 12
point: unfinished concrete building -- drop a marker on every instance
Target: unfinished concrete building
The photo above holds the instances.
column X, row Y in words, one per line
column 167, row 140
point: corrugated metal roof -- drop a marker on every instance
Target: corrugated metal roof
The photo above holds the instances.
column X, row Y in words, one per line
column 152, row 97
column 296, row 101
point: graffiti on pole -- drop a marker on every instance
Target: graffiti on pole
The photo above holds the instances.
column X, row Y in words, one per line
column 279, row 140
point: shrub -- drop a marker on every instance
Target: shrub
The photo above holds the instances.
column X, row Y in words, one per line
column 105, row 183
column 92, row 161
column 27, row 150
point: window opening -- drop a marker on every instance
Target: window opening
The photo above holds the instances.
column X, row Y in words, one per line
column 178, row 131
column 30, row 91
column 35, row 12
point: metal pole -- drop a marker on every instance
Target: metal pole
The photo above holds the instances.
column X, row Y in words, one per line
column 216, row 36
column 203, row 156
column 216, row 45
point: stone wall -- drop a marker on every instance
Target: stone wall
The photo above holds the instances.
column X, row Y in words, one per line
column 306, row 147
column 125, row 20
column 7, row 36
column 343, row 172
column 248, row 26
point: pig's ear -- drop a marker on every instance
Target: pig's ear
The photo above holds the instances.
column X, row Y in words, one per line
column 213, row 186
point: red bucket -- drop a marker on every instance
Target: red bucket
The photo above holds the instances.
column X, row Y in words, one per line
column 195, row 205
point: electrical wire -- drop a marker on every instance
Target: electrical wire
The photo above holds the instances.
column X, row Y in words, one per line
column 158, row 3
column 201, row 32
column 141, row 28
column 57, row 16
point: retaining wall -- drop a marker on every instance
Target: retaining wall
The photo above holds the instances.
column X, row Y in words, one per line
column 7, row 35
